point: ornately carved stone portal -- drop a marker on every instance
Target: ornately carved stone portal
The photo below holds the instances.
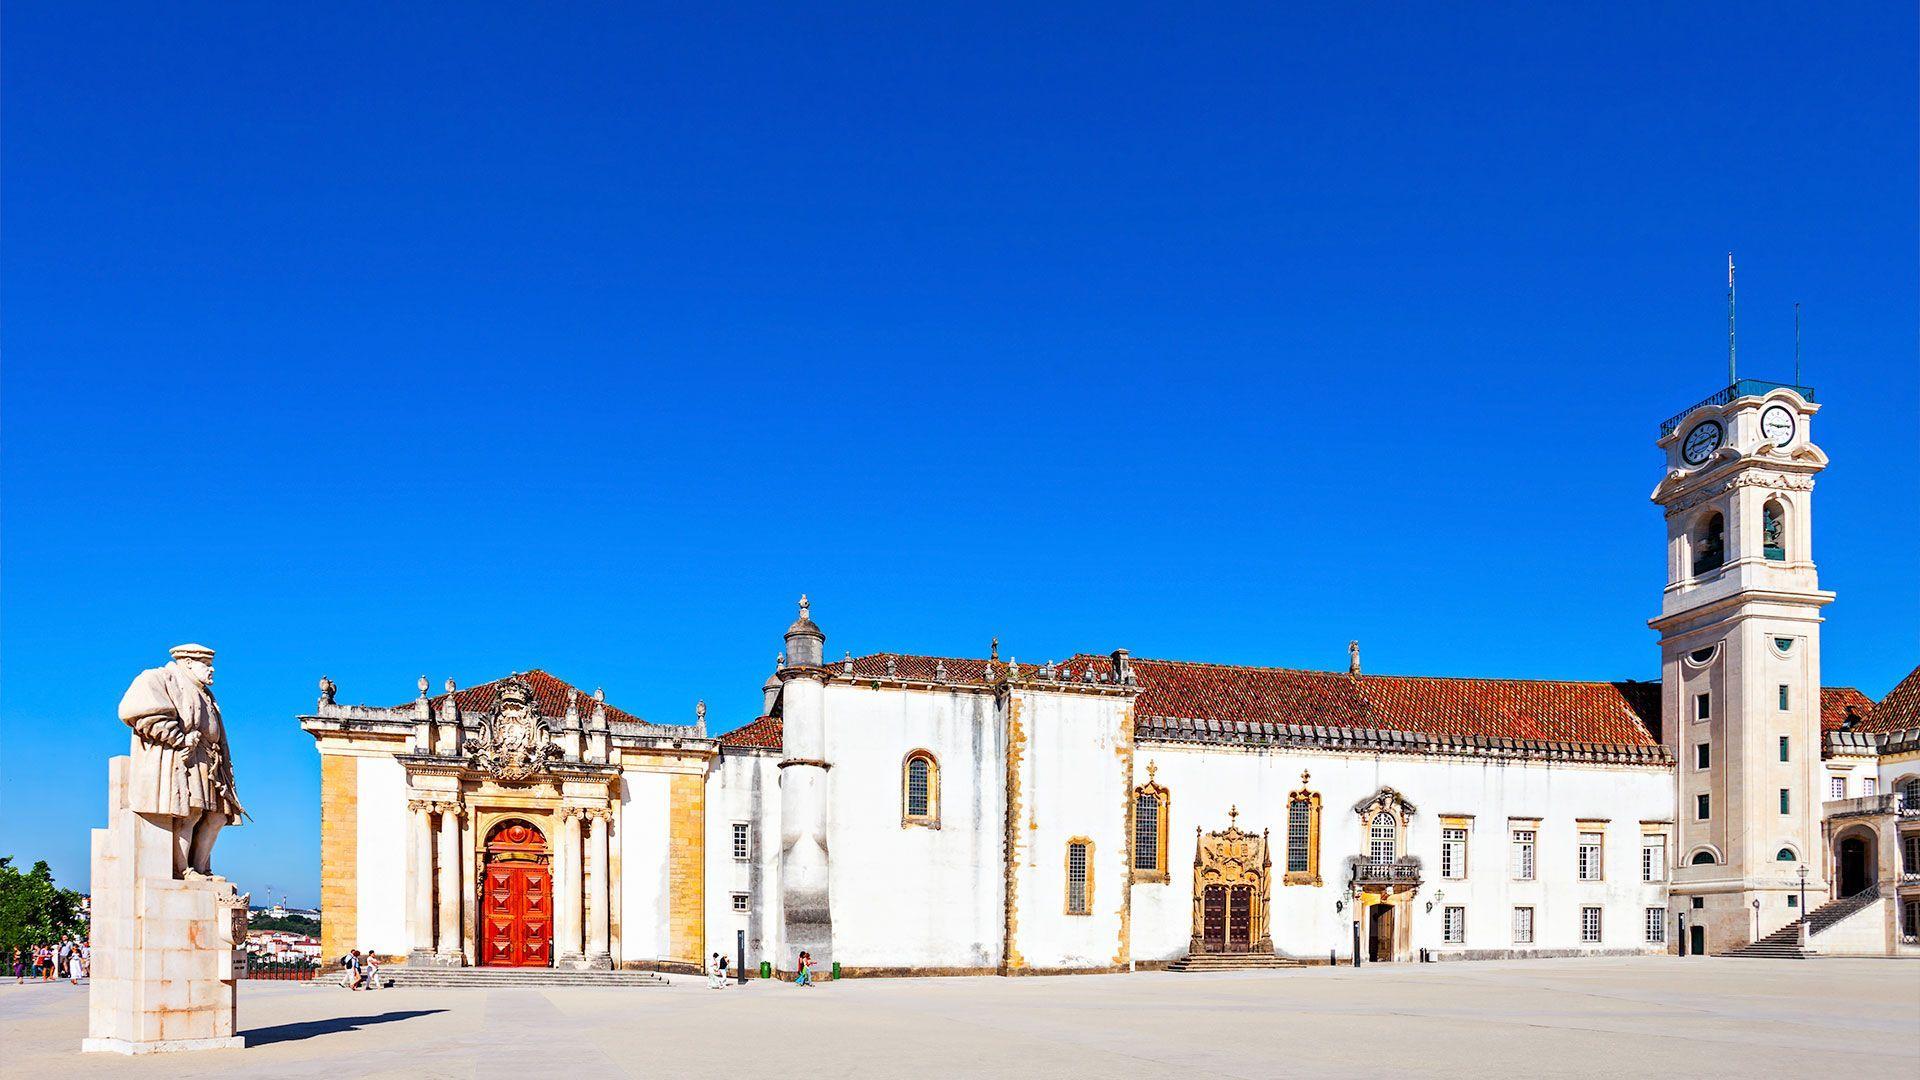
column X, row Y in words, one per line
column 1231, row 874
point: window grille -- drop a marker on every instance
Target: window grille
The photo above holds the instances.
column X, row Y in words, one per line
column 1523, row 855
column 1910, row 854
column 1656, row 926
column 1299, row 835
column 1589, row 925
column 1837, row 787
column 1453, row 853
column 1454, row 927
column 1869, row 785
column 1590, row 869
column 742, row 841
column 1523, row 926
column 1146, row 832
column 1077, row 879
column 739, row 901
column 1653, row 859
column 919, row 788
column 1381, row 846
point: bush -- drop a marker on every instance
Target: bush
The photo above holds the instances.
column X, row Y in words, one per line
column 35, row 911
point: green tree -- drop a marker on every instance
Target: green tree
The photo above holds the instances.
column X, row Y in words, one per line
column 35, row 911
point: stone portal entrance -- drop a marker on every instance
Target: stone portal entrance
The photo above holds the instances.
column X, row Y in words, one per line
column 1857, row 861
column 516, row 898
column 1231, row 870
column 1380, row 933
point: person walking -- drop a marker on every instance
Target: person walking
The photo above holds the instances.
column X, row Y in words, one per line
column 804, row 976
column 723, row 971
column 19, row 965
column 713, row 972
column 44, row 958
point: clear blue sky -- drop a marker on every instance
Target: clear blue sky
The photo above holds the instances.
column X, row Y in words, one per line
column 379, row 343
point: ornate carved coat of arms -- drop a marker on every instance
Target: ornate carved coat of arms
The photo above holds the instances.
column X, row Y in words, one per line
column 514, row 741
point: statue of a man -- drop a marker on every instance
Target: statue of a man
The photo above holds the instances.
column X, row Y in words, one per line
column 181, row 771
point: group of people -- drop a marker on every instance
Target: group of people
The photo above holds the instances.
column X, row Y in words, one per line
column 717, row 971
column 360, row 971
column 71, row 960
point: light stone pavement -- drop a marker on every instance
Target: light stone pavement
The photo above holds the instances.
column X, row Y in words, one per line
column 1595, row 1017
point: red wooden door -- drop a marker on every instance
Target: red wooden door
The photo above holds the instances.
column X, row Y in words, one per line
column 1213, row 925
column 516, row 916
column 1240, row 919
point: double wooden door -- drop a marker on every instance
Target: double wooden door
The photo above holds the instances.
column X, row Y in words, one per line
column 1226, row 918
column 516, row 916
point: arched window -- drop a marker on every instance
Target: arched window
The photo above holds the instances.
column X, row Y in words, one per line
column 1381, row 845
column 1785, row 854
column 920, row 790
column 1773, row 530
column 1703, row 858
column 1303, row 837
column 1151, row 814
column 1709, row 543
column 1909, row 791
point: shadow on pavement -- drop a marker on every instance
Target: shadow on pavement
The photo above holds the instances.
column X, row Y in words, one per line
column 312, row 1028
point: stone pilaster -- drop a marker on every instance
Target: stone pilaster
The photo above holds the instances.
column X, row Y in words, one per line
column 339, row 854
column 450, row 885
column 420, row 888
column 598, row 954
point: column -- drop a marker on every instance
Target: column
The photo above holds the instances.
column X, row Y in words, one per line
column 597, row 954
column 566, row 937
column 449, row 868
column 420, row 913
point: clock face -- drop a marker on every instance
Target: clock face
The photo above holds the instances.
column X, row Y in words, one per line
column 1702, row 441
column 1776, row 424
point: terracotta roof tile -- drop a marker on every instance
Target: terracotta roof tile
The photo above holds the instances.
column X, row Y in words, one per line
column 762, row 732
column 1834, row 702
column 1898, row 711
column 550, row 692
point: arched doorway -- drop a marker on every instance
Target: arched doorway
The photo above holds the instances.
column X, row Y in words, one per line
column 1857, row 861
column 516, row 898
column 1380, row 933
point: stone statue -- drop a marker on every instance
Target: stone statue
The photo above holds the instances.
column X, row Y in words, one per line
column 182, row 775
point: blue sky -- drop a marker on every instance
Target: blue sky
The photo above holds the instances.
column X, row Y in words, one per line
column 379, row 343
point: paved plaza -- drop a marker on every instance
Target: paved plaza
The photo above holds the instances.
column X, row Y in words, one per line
column 1615, row 1017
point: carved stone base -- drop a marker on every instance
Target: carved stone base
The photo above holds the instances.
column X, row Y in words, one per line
column 422, row 958
column 163, row 1046
column 582, row 962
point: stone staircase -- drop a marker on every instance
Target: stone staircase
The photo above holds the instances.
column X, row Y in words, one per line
column 1242, row 961
column 516, row 978
column 1784, row 943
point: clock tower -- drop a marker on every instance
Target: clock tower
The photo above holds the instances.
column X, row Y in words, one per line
column 1739, row 633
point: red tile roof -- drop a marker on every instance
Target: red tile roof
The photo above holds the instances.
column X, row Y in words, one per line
column 550, row 692
column 763, row 733
column 1899, row 710
column 1619, row 714
column 1834, row 702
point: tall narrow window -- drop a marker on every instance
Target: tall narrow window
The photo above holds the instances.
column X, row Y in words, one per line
column 1523, row 854
column 1836, row 787
column 1910, row 853
column 920, row 790
column 1785, row 698
column 1303, row 837
column 1702, row 807
column 1151, row 811
column 1589, row 925
column 1703, row 706
column 1785, row 746
column 1523, row 926
column 1381, row 846
column 1453, row 853
column 1079, row 885
column 1709, row 543
column 1653, row 858
column 1656, row 926
column 1786, row 796
column 742, row 841
column 1702, row 755
column 1453, row 929
column 1909, row 792
column 1590, row 847
column 1773, row 530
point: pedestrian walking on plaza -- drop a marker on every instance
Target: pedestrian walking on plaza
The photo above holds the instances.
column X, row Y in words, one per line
column 723, row 971
column 804, row 975
column 63, row 957
column 43, row 957
column 353, row 964
column 19, row 965
column 713, row 972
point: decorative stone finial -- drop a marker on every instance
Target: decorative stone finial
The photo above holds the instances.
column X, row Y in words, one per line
column 1233, row 816
column 599, row 695
column 700, row 711
column 327, row 690
column 847, row 664
column 805, row 607
column 423, row 686
column 779, row 661
column 1151, row 769
column 891, row 668
column 450, row 686
column 1304, row 777
column 940, row 670
column 1353, row 658
column 993, row 653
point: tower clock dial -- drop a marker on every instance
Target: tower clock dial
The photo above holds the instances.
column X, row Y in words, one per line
column 1702, row 441
column 1776, row 424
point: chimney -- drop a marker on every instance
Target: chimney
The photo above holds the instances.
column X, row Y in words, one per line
column 1122, row 671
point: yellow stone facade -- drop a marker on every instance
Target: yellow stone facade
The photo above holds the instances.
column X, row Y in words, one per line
column 687, row 868
column 339, row 852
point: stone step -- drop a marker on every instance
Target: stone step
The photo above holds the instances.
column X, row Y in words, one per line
column 1232, row 962
column 530, row 978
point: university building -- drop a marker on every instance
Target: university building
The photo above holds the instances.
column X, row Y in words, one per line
column 897, row 814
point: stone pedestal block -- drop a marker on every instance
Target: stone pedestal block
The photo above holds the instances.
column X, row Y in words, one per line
column 167, row 954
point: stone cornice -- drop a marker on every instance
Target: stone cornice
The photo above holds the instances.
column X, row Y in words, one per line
column 1264, row 736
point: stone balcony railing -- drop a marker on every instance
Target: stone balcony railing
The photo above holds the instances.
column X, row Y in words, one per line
column 1401, row 871
column 1870, row 806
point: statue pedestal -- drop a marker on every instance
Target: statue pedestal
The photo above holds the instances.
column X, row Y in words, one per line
column 167, row 954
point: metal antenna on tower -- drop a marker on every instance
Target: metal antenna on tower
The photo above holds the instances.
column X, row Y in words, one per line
column 1733, row 375
column 1796, row 343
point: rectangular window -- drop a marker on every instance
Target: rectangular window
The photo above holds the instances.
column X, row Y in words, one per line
column 1453, row 930
column 1784, row 698
column 1523, row 855
column 1077, row 899
column 1299, row 835
column 1785, row 797
column 1869, row 785
column 1784, row 755
column 1837, row 787
column 1653, row 858
column 1590, row 843
column 1910, row 854
column 1703, row 706
column 1701, row 805
column 742, row 841
column 1589, row 925
column 1453, row 853
column 1702, row 755
column 1699, row 902
column 1792, row 900
column 1146, row 832
column 1656, row 926
column 1523, row 926
column 1911, row 921
column 739, row 901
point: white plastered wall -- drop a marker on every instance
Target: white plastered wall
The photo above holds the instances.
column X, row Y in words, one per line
column 645, row 829
column 383, row 827
column 744, row 787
